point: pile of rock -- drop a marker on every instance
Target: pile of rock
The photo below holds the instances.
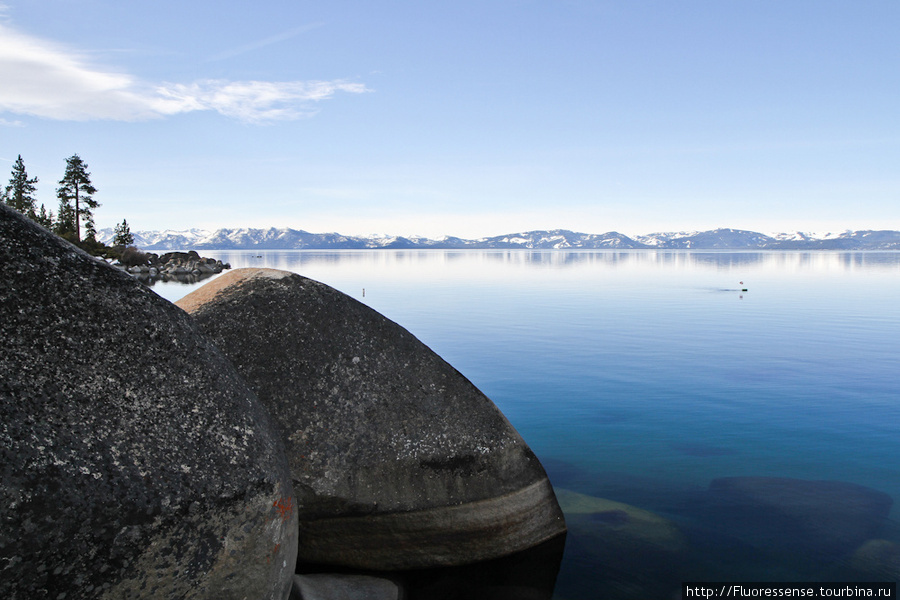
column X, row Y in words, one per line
column 186, row 267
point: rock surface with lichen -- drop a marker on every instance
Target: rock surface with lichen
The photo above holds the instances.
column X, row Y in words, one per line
column 134, row 460
column 398, row 461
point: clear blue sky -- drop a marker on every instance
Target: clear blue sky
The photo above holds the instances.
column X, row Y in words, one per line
column 467, row 118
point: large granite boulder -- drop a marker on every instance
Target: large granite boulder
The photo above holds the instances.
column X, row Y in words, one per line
column 134, row 460
column 816, row 518
column 398, row 460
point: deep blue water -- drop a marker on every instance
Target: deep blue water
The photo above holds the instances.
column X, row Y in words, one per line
column 642, row 376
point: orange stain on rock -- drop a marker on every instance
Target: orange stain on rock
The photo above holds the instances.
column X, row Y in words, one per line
column 285, row 508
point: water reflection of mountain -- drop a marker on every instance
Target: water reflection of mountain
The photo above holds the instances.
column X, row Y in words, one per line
column 302, row 260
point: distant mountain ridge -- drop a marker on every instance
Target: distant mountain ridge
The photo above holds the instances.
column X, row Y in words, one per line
column 556, row 239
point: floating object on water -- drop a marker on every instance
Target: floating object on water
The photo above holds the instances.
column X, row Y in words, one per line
column 743, row 289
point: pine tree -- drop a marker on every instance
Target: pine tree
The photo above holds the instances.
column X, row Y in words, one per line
column 76, row 186
column 19, row 194
column 45, row 218
column 65, row 220
column 123, row 236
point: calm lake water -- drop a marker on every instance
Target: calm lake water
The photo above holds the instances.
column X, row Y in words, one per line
column 643, row 377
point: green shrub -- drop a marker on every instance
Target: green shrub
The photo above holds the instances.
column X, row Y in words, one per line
column 132, row 257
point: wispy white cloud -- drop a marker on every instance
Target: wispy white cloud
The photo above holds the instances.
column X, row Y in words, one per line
column 251, row 101
column 43, row 79
column 273, row 39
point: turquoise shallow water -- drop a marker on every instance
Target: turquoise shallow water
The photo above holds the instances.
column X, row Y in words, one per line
column 641, row 377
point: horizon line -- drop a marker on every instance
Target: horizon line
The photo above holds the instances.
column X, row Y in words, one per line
column 686, row 232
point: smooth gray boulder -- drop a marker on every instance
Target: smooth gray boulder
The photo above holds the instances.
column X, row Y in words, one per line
column 398, row 460
column 134, row 460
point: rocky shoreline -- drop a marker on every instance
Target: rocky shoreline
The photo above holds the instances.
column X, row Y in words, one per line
column 185, row 267
column 198, row 451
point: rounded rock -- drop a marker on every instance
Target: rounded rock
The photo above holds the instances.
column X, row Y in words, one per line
column 134, row 461
column 398, row 460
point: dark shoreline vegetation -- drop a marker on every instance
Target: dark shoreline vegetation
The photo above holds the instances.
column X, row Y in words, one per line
column 75, row 212
column 77, row 205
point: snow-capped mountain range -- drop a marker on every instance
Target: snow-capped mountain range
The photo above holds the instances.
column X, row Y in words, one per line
column 558, row 239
